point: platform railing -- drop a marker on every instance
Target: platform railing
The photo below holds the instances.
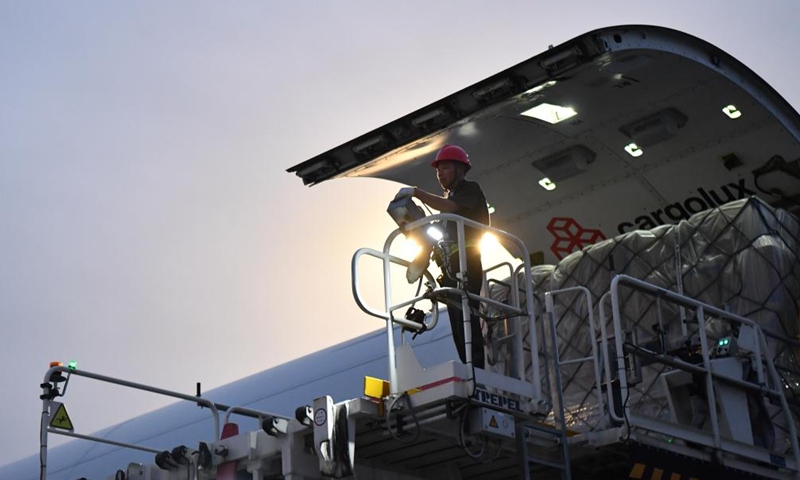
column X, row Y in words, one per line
column 768, row 382
column 434, row 294
column 52, row 389
column 511, row 332
column 386, row 314
column 594, row 358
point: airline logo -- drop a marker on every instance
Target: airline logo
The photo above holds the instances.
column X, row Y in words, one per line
column 684, row 209
column 571, row 237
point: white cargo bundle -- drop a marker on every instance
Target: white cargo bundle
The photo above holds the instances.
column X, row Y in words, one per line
column 741, row 257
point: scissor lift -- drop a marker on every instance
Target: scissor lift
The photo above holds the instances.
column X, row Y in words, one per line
column 473, row 400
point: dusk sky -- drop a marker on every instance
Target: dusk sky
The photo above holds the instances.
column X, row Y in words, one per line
column 148, row 228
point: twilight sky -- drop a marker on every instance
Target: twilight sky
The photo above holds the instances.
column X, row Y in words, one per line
column 148, row 229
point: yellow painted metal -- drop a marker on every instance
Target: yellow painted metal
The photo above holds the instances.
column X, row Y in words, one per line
column 375, row 387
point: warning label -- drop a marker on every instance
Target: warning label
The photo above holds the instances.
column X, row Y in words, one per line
column 320, row 417
column 60, row 419
column 493, row 422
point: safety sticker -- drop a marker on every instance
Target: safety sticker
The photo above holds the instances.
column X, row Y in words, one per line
column 493, row 422
column 61, row 418
column 320, row 417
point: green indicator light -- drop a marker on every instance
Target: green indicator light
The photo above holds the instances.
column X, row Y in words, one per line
column 72, row 365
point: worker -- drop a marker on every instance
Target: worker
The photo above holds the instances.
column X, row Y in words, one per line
column 465, row 198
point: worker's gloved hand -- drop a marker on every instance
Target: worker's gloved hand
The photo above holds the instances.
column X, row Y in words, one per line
column 404, row 192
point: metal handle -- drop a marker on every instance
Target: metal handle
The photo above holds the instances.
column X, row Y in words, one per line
column 434, row 317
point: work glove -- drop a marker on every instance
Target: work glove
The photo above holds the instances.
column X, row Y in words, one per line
column 404, row 192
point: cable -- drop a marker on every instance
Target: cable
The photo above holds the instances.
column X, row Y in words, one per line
column 625, row 415
column 66, row 384
column 42, row 447
column 462, row 422
column 415, row 315
column 426, row 208
column 466, row 346
column 389, row 409
column 419, row 288
column 480, row 455
column 499, row 452
column 627, row 397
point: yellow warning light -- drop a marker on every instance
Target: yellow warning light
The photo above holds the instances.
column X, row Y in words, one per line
column 57, row 377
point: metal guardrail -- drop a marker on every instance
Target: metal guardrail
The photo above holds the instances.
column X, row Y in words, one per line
column 387, row 314
column 511, row 332
column 50, row 392
column 389, row 259
column 768, row 383
column 593, row 358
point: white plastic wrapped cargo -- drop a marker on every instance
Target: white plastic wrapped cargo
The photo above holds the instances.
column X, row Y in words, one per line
column 742, row 257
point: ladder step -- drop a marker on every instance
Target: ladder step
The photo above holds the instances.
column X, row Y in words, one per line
column 547, row 463
column 544, row 429
column 504, row 339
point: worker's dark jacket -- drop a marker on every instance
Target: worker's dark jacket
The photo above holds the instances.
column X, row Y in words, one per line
column 472, row 205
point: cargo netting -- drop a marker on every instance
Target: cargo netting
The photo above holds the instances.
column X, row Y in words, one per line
column 741, row 257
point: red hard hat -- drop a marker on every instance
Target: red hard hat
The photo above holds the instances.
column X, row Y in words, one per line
column 452, row 153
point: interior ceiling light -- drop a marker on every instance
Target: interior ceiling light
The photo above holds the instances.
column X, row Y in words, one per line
column 550, row 113
column 732, row 112
column 634, row 150
column 547, row 184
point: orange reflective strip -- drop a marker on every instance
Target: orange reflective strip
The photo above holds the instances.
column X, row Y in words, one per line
column 637, row 471
column 657, row 473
